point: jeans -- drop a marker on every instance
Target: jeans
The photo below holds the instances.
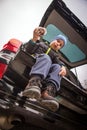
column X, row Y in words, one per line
column 44, row 67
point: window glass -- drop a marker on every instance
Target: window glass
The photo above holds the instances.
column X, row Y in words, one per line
column 71, row 52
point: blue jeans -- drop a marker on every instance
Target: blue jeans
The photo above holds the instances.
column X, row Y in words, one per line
column 44, row 67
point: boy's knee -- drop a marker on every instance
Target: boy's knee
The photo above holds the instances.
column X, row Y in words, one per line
column 56, row 66
column 47, row 58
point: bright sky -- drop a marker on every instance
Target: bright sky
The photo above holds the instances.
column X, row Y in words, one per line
column 18, row 18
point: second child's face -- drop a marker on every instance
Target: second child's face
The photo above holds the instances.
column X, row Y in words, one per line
column 57, row 44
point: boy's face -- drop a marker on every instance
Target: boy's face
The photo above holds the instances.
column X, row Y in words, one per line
column 57, row 44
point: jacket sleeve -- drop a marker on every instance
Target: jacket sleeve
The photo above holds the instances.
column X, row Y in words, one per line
column 60, row 62
column 30, row 47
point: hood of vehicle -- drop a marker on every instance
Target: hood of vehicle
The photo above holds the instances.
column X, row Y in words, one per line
column 58, row 19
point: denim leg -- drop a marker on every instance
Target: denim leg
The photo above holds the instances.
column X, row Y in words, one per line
column 54, row 76
column 41, row 66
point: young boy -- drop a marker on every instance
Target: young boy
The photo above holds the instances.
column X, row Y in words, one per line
column 47, row 68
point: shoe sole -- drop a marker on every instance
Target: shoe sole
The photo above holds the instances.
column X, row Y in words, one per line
column 32, row 93
column 51, row 105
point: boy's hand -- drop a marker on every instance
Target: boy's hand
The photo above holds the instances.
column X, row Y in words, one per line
column 38, row 32
column 63, row 71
